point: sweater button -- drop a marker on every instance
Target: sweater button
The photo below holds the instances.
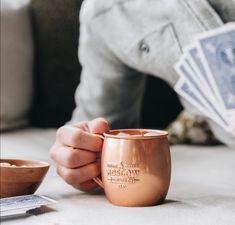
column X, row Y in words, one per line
column 144, row 47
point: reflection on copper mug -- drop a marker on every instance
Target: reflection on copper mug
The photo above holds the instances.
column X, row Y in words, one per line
column 135, row 169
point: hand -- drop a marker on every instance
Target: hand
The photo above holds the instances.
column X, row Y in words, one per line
column 75, row 152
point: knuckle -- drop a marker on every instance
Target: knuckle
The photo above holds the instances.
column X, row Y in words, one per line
column 70, row 161
column 104, row 123
column 76, row 137
column 68, row 177
column 93, row 157
column 99, row 125
column 52, row 152
column 94, row 170
column 59, row 132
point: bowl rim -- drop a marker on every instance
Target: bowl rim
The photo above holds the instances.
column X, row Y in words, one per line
column 41, row 164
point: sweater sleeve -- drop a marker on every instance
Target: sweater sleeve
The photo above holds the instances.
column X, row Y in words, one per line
column 108, row 87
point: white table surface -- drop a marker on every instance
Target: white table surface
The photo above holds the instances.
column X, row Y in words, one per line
column 202, row 189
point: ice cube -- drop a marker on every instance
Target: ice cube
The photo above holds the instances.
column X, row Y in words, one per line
column 151, row 134
column 5, row 164
column 123, row 134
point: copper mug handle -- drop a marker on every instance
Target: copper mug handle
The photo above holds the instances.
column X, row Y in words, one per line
column 97, row 179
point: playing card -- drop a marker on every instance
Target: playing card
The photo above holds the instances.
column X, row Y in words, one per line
column 195, row 61
column 207, row 75
column 21, row 204
column 212, row 112
column 190, row 78
column 183, row 89
column 217, row 50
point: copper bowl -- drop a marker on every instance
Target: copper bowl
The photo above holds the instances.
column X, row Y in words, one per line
column 21, row 177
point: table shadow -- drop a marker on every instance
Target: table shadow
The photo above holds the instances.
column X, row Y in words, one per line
column 41, row 210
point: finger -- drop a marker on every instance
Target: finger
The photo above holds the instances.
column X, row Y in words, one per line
column 87, row 186
column 98, row 126
column 75, row 137
column 79, row 175
column 72, row 158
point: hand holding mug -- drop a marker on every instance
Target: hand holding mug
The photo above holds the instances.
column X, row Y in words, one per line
column 75, row 153
column 135, row 168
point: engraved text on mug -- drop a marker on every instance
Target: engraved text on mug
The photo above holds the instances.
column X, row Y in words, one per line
column 122, row 173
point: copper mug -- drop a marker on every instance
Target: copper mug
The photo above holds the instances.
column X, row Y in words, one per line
column 135, row 168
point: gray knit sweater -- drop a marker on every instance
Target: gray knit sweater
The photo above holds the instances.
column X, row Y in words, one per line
column 122, row 40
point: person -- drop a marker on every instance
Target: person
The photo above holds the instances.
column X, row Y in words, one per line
column 120, row 42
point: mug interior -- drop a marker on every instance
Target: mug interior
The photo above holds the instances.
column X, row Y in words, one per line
column 136, row 133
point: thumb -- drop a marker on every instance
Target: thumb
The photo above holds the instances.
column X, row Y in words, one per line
column 98, row 126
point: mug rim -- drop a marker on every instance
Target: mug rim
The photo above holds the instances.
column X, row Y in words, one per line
column 161, row 133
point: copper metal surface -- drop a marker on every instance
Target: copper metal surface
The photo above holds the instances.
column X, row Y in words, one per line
column 135, row 170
